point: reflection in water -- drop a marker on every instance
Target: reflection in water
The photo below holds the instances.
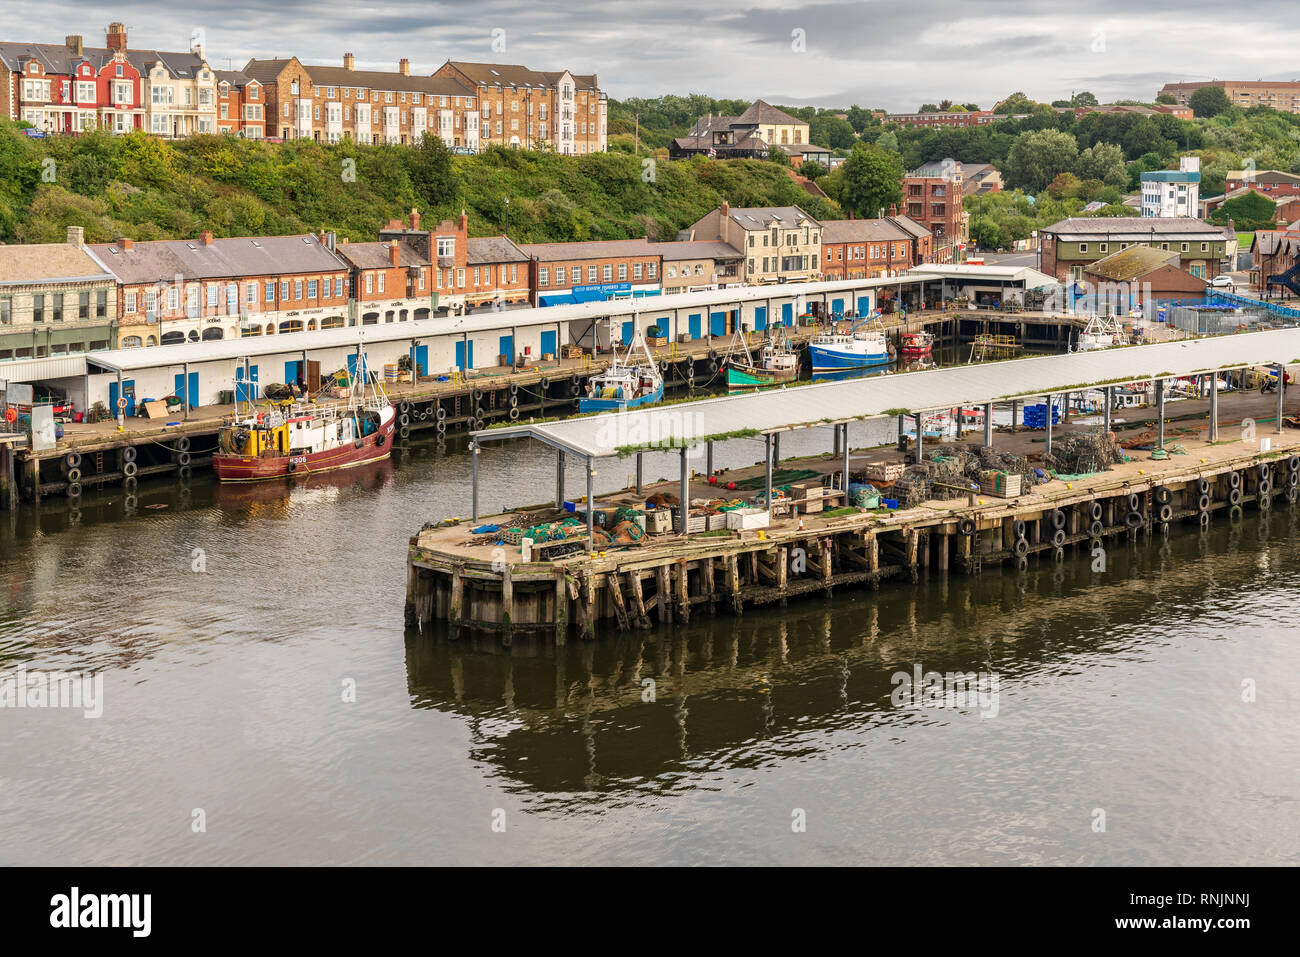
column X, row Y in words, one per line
column 1119, row 689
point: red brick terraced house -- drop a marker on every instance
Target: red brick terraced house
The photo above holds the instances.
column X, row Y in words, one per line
column 594, row 271
column 865, row 248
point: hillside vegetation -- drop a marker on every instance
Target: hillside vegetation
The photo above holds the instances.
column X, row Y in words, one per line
column 147, row 188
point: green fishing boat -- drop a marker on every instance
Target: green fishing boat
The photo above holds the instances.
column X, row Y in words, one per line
column 777, row 364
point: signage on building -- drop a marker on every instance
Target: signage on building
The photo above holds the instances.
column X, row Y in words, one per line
column 605, row 288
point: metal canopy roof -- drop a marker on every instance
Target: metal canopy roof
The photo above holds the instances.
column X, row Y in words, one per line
column 827, row 403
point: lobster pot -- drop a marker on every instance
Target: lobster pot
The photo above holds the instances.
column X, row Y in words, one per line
column 390, row 371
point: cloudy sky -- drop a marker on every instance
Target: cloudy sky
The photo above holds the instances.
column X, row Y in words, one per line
column 888, row 53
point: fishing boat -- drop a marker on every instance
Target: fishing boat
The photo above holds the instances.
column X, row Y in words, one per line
column 777, row 363
column 859, row 348
column 629, row 382
column 916, row 346
column 299, row 438
column 1100, row 332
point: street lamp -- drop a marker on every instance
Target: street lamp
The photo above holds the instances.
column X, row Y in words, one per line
column 507, row 217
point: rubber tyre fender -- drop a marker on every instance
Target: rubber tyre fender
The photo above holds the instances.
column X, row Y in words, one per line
column 1203, row 503
column 404, row 408
column 1058, row 518
column 1263, row 470
column 1293, row 464
column 1292, row 479
column 1021, row 548
column 1058, row 537
column 183, row 458
column 1134, row 502
column 1203, row 486
column 74, row 460
column 1133, row 520
column 966, row 526
column 129, row 454
column 545, row 382
column 442, row 427
column 1095, row 511
column 404, row 419
column 129, row 468
column 74, row 474
column 1166, row 513
column 1292, row 494
column 1234, row 497
column 1018, row 528
column 1164, row 496
column 441, row 415
column 1234, row 480
column 1095, row 528
column 74, row 490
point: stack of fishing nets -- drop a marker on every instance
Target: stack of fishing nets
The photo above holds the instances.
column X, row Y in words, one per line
column 914, row 486
column 1082, row 453
column 991, row 460
column 953, row 470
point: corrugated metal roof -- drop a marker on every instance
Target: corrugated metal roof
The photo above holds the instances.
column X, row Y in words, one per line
column 291, row 342
column 806, row 406
column 36, row 370
column 1032, row 278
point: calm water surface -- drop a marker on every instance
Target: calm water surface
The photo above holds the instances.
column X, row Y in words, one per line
column 1119, row 691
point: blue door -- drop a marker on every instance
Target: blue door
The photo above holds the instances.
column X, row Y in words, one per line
column 352, row 366
column 864, row 305
column 188, row 392
column 665, row 327
column 247, row 391
column 548, row 344
column 787, row 313
column 291, row 371
column 837, row 308
column 629, row 330
column 464, row 362
column 128, row 392
column 693, row 323
column 420, row 360
column 717, row 323
column 760, row 318
column 507, row 348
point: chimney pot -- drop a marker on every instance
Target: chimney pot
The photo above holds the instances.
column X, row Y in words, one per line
column 404, row 66
column 206, row 237
column 349, row 62
column 415, row 220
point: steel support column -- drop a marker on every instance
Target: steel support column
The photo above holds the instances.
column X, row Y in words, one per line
column 684, row 505
column 988, row 425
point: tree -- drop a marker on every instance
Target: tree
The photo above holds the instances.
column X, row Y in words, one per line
column 778, row 155
column 1016, row 103
column 971, row 107
column 929, row 108
column 945, row 106
column 872, row 180
column 1248, row 212
column 1083, row 98
column 859, row 118
column 1103, row 161
column 1208, row 101
column 1064, row 186
column 888, row 141
column 811, row 170
column 1036, row 157
column 1166, row 98
column 429, row 163
column 832, row 132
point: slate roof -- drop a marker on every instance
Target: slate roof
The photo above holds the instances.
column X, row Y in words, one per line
column 862, row 230
column 595, row 249
column 161, row 260
column 493, row 249
column 1135, row 228
column 513, row 74
column 763, row 112
column 677, row 251
column 760, row 217
column 339, row 76
column 375, row 255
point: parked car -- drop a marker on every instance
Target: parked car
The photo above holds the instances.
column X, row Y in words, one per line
column 1222, row 282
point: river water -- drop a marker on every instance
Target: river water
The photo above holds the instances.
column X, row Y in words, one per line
column 263, row 704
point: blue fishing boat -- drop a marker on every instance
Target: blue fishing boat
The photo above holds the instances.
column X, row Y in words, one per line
column 628, row 383
column 859, row 348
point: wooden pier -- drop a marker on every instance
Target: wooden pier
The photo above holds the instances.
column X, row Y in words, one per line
column 679, row 576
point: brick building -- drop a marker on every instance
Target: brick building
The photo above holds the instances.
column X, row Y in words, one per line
column 187, row 291
column 592, row 271
column 932, row 196
column 391, row 281
column 499, row 273
column 241, row 105
column 866, row 248
column 1279, row 94
column 694, row 266
column 520, row 107
column 939, row 120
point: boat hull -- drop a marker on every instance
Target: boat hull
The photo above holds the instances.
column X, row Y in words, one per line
column 740, row 376
column 824, row 358
column 241, row 468
column 620, row 405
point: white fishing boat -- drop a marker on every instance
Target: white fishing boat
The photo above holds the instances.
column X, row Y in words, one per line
column 862, row 346
column 1100, row 332
column 629, row 382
